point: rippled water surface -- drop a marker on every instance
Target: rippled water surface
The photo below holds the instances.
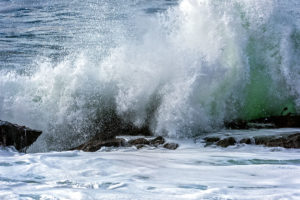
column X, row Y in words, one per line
column 75, row 68
column 190, row 172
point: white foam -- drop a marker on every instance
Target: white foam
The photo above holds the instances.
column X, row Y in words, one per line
column 190, row 172
column 181, row 72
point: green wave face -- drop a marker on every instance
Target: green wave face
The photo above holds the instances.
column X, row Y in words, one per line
column 179, row 72
column 266, row 92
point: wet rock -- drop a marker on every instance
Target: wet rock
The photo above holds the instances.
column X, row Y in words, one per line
column 266, row 122
column 276, row 142
column 96, row 143
column 226, row 142
column 171, row 146
column 236, row 124
column 280, row 121
column 293, row 141
column 211, row 139
column 21, row 137
column 261, row 125
column 246, row 141
column 157, row 141
column 139, row 146
column 263, row 140
column 290, row 141
column 139, row 141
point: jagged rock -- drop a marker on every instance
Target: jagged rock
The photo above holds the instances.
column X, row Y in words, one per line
column 171, row 146
column 96, row 143
column 211, row 139
column 263, row 140
column 290, row 141
column 236, row 124
column 21, row 137
column 226, row 142
column 293, row 141
column 139, row 146
column 266, row 122
column 139, row 141
column 280, row 121
column 246, row 141
column 157, row 141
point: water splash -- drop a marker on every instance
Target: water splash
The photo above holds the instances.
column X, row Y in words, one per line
column 180, row 72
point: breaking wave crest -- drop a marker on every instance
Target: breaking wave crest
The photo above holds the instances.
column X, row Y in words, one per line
column 181, row 72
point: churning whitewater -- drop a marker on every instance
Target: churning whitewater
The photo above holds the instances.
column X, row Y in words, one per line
column 179, row 68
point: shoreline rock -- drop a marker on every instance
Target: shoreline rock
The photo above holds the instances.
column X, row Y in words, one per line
column 286, row 141
column 21, row 137
column 171, row 146
column 97, row 142
column 226, row 142
column 288, row 121
column 289, row 141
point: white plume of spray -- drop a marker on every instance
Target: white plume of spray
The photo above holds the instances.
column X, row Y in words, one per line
column 186, row 71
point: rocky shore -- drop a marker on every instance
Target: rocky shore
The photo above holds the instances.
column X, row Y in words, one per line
column 97, row 143
column 22, row 137
column 291, row 140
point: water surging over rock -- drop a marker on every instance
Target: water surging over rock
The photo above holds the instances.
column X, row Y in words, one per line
column 197, row 65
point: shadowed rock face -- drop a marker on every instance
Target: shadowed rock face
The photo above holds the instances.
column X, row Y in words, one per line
column 290, row 141
column 20, row 137
column 266, row 122
column 97, row 142
column 226, row 142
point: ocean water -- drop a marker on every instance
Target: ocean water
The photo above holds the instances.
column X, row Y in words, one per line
column 178, row 67
column 241, row 172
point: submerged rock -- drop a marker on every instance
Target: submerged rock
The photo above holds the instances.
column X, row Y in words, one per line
column 21, row 137
column 139, row 141
column 246, row 141
column 266, row 122
column 96, row 143
column 157, row 141
column 171, row 146
column 211, row 139
column 289, row 141
column 226, row 142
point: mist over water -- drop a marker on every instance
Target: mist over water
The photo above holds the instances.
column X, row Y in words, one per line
column 181, row 68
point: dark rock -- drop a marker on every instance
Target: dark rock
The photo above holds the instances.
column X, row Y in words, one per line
column 236, row 124
column 171, row 146
column 262, row 140
column 266, row 122
column 96, row 143
column 211, row 139
column 280, row 121
column 290, row 141
column 246, row 141
column 139, row 146
column 293, row 141
column 157, row 141
column 20, row 137
column 276, row 142
column 139, row 141
column 226, row 142
column 261, row 125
